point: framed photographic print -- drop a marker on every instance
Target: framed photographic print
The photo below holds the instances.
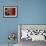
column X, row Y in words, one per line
column 10, row 11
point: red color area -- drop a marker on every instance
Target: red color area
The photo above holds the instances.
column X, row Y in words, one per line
column 11, row 11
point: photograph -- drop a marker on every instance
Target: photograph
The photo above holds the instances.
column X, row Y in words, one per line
column 10, row 11
column 30, row 33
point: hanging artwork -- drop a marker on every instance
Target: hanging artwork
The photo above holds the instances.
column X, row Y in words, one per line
column 12, row 38
column 10, row 11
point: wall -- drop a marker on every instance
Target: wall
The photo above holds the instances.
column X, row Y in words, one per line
column 32, row 11
column 29, row 12
column 7, row 25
